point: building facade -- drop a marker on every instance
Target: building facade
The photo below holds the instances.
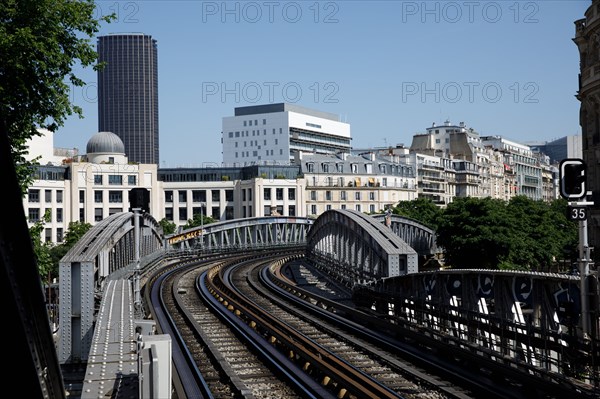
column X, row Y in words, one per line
column 274, row 133
column 128, row 93
column 364, row 183
column 587, row 39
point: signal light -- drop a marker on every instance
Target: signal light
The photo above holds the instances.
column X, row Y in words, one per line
column 572, row 178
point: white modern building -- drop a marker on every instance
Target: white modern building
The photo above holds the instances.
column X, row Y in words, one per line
column 273, row 133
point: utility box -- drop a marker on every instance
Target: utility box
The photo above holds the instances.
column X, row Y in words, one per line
column 154, row 365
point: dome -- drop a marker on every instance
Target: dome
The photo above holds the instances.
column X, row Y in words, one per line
column 105, row 142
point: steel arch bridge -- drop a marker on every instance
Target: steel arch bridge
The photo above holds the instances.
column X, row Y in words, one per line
column 244, row 233
column 107, row 248
column 525, row 320
column 356, row 248
column 420, row 237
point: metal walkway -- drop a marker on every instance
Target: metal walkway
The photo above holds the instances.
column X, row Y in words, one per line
column 112, row 369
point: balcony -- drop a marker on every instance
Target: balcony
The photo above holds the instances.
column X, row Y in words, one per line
column 590, row 76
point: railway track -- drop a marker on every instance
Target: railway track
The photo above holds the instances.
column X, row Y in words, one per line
column 228, row 367
column 346, row 369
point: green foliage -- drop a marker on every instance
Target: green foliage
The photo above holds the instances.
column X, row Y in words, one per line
column 75, row 231
column 41, row 41
column 420, row 209
column 522, row 234
column 41, row 249
column 168, row 227
column 198, row 220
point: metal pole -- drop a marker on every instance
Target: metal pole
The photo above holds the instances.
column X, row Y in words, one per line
column 136, row 276
column 202, row 226
column 584, row 271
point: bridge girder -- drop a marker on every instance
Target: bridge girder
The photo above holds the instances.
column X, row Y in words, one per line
column 106, row 248
column 356, row 248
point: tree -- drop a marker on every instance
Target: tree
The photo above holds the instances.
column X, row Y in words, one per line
column 521, row 234
column 420, row 209
column 75, row 231
column 198, row 220
column 41, row 41
column 168, row 227
column 41, row 249
column 475, row 233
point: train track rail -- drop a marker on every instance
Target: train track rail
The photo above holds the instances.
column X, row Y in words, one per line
column 228, row 367
column 344, row 369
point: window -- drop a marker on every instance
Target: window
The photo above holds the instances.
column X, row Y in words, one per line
column 279, row 194
column 112, row 211
column 229, row 195
column 182, row 195
column 98, row 197
column 354, row 168
column 115, row 180
column 48, row 234
column 372, row 208
column 215, row 195
column 249, row 194
column 59, row 234
column 34, row 195
column 267, row 194
column 292, row 210
column 328, row 195
column 313, row 209
column 371, row 196
column 245, row 123
column 33, row 215
column 216, row 213
column 292, row 194
column 82, row 215
column 59, row 196
column 48, row 195
column 228, row 212
column 343, row 206
column 357, row 195
column 199, row 195
column 183, row 216
column 168, row 196
column 328, row 207
column 343, row 195
column 81, row 197
column 340, row 167
column 358, row 207
column 59, row 215
column 97, row 214
column 325, row 167
column 384, row 182
column 115, row 197
column 267, row 210
column 230, row 135
column 313, row 195
column 264, row 121
column 132, row 180
column 169, row 214
column 243, row 194
column 97, row 180
column 437, row 141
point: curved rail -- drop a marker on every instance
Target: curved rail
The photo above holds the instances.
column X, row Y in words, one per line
column 336, row 372
column 192, row 382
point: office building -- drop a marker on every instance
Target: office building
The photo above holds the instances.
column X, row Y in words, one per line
column 274, row 133
column 128, row 93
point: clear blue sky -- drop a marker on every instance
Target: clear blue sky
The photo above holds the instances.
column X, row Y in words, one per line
column 389, row 68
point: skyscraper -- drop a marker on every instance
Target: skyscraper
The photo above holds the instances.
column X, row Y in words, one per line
column 128, row 93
